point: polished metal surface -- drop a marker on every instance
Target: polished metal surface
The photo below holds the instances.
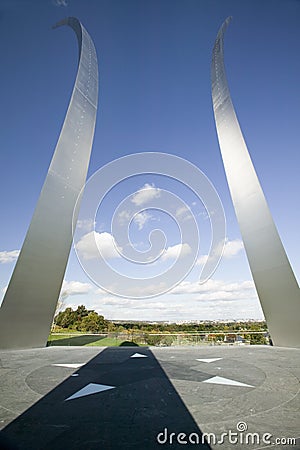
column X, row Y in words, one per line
column 29, row 304
column 273, row 276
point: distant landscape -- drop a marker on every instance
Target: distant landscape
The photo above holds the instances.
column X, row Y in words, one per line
column 87, row 327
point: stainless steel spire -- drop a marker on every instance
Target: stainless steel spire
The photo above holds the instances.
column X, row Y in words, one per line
column 29, row 304
column 273, row 276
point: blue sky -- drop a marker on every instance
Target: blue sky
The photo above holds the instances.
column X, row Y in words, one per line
column 154, row 65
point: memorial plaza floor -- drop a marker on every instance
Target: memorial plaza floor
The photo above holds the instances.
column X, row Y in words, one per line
column 143, row 398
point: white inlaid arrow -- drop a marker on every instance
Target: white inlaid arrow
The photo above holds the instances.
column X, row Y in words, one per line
column 138, row 355
column 70, row 366
column 89, row 389
column 208, row 360
column 226, row 381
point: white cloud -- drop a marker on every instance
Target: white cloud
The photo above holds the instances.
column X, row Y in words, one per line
column 60, row 3
column 105, row 244
column 216, row 299
column 75, row 288
column 150, row 289
column 9, row 256
column 139, row 292
column 145, row 194
column 141, row 219
column 124, row 217
column 201, row 260
column 117, row 302
column 183, row 213
column 204, row 215
column 174, row 251
column 68, row 288
column 217, row 290
column 232, row 248
column 100, row 291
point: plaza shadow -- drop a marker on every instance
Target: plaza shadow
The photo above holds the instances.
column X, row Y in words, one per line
column 75, row 340
column 139, row 404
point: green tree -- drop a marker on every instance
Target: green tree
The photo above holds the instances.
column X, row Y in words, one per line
column 162, row 340
column 66, row 319
column 81, row 312
column 257, row 339
column 153, row 339
column 93, row 323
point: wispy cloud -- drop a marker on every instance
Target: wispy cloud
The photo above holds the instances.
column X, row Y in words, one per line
column 86, row 224
column 59, row 3
column 9, row 256
column 141, row 219
column 183, row 213
column 145, row 194
column 124, row 217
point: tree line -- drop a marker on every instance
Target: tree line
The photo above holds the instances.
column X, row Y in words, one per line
column 90, row 321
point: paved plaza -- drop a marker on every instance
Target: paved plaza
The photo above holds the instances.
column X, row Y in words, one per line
column 140, row 398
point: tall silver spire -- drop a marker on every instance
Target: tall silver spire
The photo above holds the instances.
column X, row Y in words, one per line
column 29, row 304
column 273, row 276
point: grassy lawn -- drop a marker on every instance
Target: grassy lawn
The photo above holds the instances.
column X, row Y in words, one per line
column 84, row 340
column 106, row 342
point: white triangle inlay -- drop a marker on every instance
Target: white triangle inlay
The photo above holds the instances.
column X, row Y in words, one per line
column 226, row 381
column 138, row 355
column 208, row 360
column 91, row 388
column 70, row 366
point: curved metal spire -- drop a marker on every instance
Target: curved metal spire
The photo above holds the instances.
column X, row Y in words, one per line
column 273, row 276
column 29, row 304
